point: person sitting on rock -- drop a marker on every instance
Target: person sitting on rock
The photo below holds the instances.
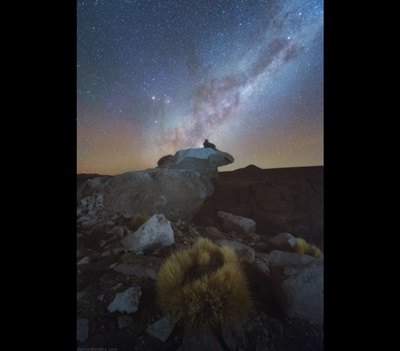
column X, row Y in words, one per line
column 208, row 144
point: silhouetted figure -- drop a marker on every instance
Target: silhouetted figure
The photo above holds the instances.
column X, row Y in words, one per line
column 208, row 144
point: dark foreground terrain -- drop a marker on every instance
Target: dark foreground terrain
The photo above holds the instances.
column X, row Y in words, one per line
column 279, row 200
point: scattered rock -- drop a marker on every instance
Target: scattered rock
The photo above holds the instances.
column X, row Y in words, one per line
column 82, row 330
column 84, row 260
column 242, row 250
column 88, row 223
column 279, row 258
column 283, row 240
column 126, row 301
column 213, row 233
column 80, row 294
column 238, row 224
column 106, row 253
column 157, row 230
column 116, row 286
column 162, row 328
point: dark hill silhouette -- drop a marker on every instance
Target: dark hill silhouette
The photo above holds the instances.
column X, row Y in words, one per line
column 279, row 200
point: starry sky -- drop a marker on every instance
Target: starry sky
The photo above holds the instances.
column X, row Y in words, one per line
column 156, row 76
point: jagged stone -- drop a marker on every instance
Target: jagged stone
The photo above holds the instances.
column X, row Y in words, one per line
column 162, row 328
column 127, row 301
column 157, row 230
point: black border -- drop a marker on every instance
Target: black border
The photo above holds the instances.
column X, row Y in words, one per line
column 47, row 176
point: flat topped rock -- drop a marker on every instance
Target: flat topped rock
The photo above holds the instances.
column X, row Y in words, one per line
column 203, row 153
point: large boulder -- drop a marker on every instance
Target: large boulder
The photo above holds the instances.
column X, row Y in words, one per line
column 278, row 258
column 157, row 230
column 177, row 188
column 175, row 192
column 204, row 161
column 305, row 293
column 302, row 283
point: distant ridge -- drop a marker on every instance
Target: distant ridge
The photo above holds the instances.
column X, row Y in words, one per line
column 253, row 170
column 91, row 175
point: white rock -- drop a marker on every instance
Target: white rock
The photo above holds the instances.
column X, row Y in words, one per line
column 162, row 328
column 126, row 301
column 203, row 153
column 292, row 242
column 157, row 230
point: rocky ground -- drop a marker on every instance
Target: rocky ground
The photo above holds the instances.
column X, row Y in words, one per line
column 106, row 269
column 118, row 262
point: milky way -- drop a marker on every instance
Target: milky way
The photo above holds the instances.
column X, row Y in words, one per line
column 158, row 76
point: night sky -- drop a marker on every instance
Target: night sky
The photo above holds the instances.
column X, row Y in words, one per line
column 156, row 76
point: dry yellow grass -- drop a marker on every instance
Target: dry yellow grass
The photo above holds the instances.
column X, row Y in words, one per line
column 306, row 248
column 204, row 286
